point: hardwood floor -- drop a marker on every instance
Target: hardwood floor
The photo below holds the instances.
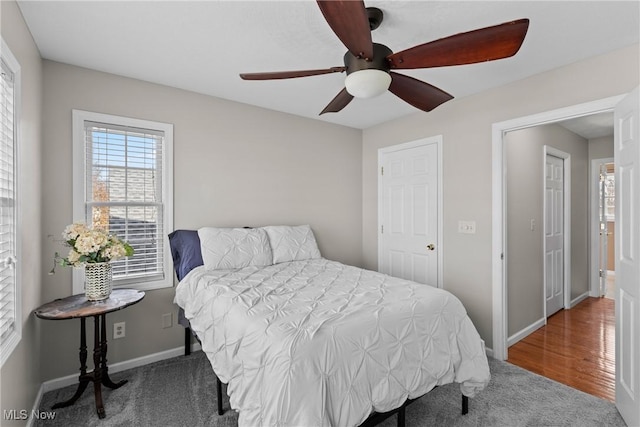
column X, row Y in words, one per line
column 576, row 347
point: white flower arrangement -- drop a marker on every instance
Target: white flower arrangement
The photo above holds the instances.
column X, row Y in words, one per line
column 90, row 245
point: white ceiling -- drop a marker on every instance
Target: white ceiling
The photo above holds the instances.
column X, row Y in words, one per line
column 202, row 46
column 592, row 126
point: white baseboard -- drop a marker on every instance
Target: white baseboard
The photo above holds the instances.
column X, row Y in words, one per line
column 488, row 351
column 36, row 405
column 116, row 367
column 579, row 299
column 540, row 323
column 525, row 332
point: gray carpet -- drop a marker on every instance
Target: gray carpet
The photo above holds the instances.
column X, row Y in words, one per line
column 181, row 392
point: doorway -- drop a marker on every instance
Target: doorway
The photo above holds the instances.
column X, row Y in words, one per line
column 603, row 228
column 499, row 234
column 541, row 225
column 548, row 265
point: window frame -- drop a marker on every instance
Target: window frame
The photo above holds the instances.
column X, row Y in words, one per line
column 79, row 117
column 8, row 345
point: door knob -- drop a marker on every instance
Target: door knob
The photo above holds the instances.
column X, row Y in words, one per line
column 431, row 247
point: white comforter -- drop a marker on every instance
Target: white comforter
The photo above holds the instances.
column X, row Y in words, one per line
column 319, row 343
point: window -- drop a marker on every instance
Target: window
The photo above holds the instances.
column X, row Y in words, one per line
column 10, row 306
column 123, row 184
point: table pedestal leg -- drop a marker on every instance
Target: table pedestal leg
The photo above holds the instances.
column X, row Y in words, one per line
column 106, row 381
column 83, row 379
column 97, row 369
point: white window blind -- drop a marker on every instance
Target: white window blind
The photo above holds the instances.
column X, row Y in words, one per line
column 8, row 236
column 124, row 195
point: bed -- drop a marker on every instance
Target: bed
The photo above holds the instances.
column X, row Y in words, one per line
column 304, row 341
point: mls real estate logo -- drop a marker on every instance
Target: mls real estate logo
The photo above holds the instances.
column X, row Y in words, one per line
column 23, row 414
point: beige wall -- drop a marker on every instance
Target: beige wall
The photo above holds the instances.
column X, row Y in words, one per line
column 234, row 165
column 601, row 148
column 466, row 128
column 524, row 181
column 20, row 374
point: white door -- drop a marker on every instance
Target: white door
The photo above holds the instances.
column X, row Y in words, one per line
column 409, row 212
column 554, row 234
column 627, row 257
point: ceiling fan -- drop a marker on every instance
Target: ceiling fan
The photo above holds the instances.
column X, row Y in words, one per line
column 368, row 65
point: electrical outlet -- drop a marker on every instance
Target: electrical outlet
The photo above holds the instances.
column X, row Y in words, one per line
column 119, row 330
column 167, row 320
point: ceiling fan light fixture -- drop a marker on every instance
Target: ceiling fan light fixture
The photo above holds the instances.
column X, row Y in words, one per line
column 367, row 83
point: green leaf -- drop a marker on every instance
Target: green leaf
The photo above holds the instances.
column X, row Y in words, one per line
column 128, row 249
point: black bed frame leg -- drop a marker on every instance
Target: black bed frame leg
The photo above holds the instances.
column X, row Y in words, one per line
column 401, row 418
column 187, row 351
column 219, row 394
column 187, row 341
column 465, row 405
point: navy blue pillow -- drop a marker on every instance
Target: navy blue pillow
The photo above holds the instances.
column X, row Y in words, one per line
column 185, row 250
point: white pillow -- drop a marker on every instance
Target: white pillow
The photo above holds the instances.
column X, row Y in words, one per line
column 228, row 248
column 292, row 243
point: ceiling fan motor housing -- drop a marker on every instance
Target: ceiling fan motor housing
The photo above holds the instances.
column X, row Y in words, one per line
column 378, row 62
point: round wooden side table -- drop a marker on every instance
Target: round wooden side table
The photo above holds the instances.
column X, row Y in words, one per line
column 78, row 307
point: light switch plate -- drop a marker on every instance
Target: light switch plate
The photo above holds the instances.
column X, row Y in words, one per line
column 467, row 227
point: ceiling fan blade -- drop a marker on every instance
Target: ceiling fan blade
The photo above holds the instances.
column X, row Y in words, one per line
column 417, row 93
column 485, row 44
column 350, row 22
column 290, row 74
column 342, row 99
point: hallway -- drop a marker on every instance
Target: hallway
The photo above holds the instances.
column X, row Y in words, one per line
column 576, row 348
